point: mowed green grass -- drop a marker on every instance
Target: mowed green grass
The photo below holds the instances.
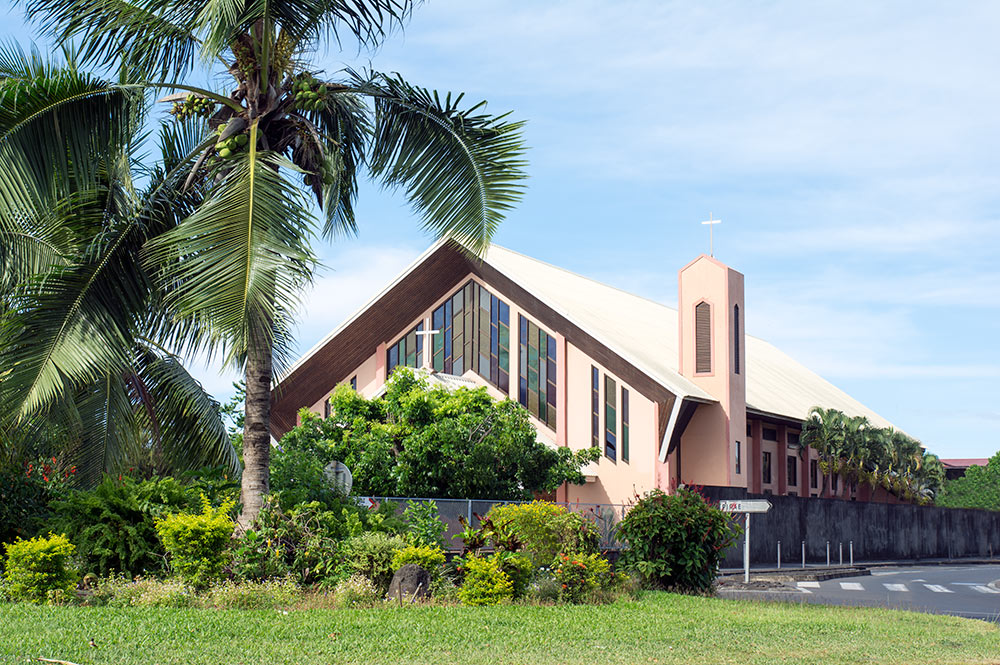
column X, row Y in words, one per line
column 658, row 628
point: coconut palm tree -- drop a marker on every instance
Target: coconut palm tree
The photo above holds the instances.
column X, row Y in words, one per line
column 274, row 130
column 823, row 431
column 85, row 341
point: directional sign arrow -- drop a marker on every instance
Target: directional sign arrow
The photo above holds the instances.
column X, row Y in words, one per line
column 745, row 506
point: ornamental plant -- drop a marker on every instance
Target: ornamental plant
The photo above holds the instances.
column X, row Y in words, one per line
column 40, row 566
column 545, row 529
column 197, row 543
column 425, row 526
column 579, row 575
column 676, row 540
column 485, row 583
column 429, row 558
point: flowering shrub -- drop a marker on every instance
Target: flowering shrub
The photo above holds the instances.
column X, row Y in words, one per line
column 676, row 540
column 518, row 568
column 197, row 542
column 429, row 558
column 545, row 529
column 37, row 566
column 579, row 575
column 484, row 582
column 356, row 591
column 119, row 591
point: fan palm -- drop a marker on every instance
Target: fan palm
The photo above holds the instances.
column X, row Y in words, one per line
column 84, row 337
column 276, row 130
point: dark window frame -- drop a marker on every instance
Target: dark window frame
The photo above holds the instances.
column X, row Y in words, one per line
column 765, row 467
column 610, row 418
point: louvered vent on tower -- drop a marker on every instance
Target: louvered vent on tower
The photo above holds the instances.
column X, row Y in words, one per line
column 702, row 338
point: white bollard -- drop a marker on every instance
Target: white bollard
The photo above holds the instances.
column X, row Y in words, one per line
column 850, row 547
column 840, row 549
column 803, row 554
column 779, row 554
column 828, row 554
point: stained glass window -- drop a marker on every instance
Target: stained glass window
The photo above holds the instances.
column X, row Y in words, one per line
column 610, row 418
column 408, row 351
column 537, row 378
column 474, row 334
column 595, row 405
column 624, row 424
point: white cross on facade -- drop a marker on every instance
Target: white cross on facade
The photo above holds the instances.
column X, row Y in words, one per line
column 426, row 356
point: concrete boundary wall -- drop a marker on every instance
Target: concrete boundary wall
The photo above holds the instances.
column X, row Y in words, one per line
column 880, row 531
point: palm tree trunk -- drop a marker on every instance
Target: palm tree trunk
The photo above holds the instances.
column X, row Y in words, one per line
column 256, row 430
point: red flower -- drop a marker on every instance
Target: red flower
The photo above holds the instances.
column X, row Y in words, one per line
column 53, row 460
column 45, row 478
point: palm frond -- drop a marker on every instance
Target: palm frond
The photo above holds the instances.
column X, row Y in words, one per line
column 239, row 261
column 107, row 433
column 154, row 38
column 461, row 169
column 57, row 133
column 178, row 417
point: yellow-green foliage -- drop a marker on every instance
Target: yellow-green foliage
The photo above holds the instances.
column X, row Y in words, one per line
column 428, row 558
column 356, row 591
column 485, row 583
column 37, row 566
column 197, row 543
column 545, row 529
column 580, row 575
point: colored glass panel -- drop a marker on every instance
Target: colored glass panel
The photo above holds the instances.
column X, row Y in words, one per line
column 625, row 424
column 610, row 419
column 537, row 371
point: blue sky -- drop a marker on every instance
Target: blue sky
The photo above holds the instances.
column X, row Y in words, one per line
column 851, row 149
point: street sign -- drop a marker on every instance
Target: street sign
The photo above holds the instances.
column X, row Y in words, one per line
column 745, row 506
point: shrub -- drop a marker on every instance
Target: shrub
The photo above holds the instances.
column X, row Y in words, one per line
column 265, row 595
column 25, row 503
column 356, row 591
column 370, row 554
column 197, row 543
column 429, row 558
column 676, row 541
column 37, row 566
column 484, row 582
column 578, row 576
column 518, row 568
column 546, row 529
column 424, row 526
column 112, row 526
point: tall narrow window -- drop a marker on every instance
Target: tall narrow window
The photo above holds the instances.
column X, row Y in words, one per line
column 736, row 337
column 834, row 481
column 326, row 407
column 537, row 375
column 813, row 474
column 624, row 424
column 739, row 465
column 610, row 419
column 595, row 405
column 408, row 351
column 354, row 383
column 474, row 334
column 765, row 468
column 793, row 471
column 703, row 338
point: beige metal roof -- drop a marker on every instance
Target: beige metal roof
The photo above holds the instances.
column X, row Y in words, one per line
column 645, row 332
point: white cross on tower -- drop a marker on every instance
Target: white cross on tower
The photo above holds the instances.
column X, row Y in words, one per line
column 711, row 240
column 428, row 338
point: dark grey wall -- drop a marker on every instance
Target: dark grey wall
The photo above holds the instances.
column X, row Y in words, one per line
column 880, row 531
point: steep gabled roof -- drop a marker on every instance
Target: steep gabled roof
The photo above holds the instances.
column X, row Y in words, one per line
column 639, row 331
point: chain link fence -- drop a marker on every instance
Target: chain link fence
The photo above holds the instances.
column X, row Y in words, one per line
column 605, row 516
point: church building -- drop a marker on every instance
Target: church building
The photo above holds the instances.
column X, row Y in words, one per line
column 668, row 395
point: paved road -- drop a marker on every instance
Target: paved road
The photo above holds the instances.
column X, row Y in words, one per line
column 969, row 591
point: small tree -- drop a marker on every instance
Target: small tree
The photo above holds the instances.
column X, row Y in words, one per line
column 429, row 443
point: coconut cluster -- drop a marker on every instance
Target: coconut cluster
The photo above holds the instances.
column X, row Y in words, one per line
column 191, row 106
column 310, row 94
column 231, row 145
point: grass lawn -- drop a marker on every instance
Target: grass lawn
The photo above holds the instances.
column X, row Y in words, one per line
column 659, row 628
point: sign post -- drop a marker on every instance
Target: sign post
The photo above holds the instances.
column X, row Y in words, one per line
column 746, row 506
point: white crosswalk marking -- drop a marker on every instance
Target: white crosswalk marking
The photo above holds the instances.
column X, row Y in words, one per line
column 985, row 589
column 851, row 586
column 808, row 585
column 895, row 587
column 937, row 588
